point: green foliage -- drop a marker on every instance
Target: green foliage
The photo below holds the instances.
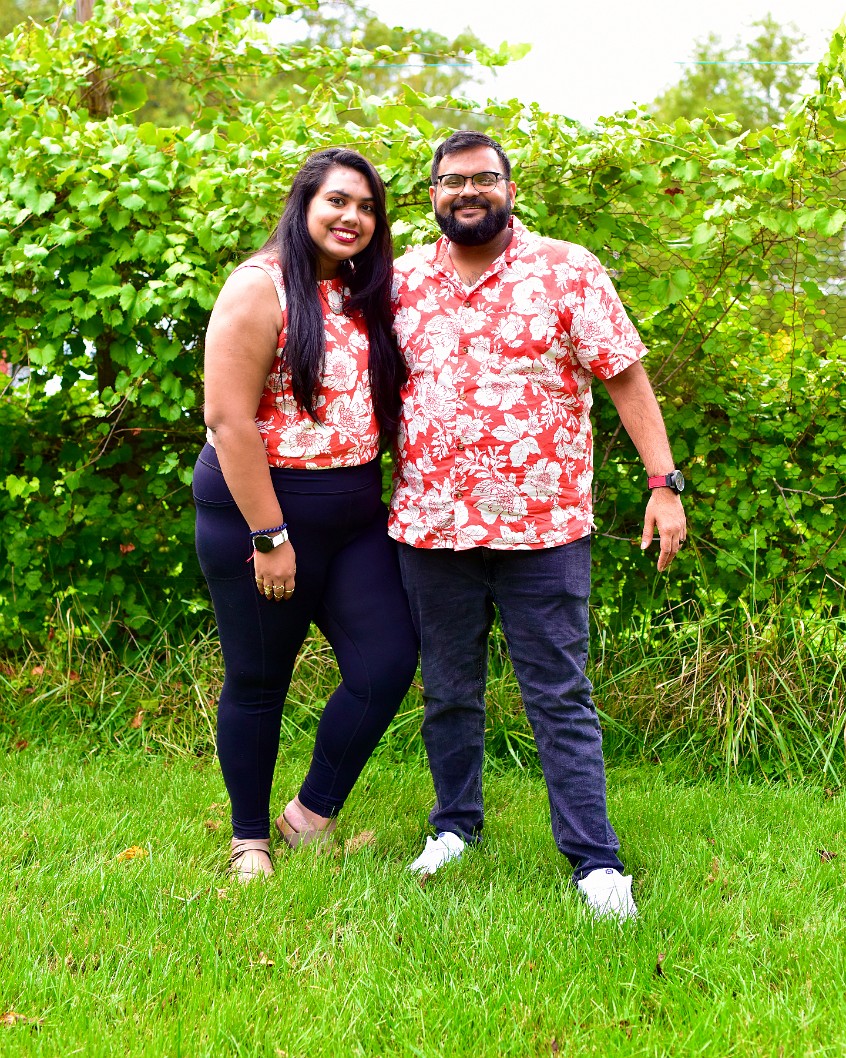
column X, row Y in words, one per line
column 116, row 235
column 13, row 12
column 424, row 60
column 755, row 81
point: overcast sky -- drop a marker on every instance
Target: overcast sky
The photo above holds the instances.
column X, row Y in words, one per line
column 593, row 58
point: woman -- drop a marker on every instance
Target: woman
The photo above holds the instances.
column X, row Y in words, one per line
column 302, row 381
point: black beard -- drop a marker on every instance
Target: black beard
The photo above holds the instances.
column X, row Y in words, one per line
column 493, row 222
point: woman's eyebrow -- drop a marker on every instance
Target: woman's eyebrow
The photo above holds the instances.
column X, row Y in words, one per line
column 349, row 194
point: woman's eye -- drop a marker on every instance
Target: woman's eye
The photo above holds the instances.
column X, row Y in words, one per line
column 367, row 208
column 336, row 201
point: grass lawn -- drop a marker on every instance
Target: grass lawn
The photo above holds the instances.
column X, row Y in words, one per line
column 739, row 949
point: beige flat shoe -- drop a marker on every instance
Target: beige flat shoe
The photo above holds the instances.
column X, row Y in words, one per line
column 250, row 859
column 323, row 839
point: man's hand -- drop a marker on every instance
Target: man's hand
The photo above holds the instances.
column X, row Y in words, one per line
column 665, row 513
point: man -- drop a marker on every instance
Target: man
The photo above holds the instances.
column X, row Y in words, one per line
column 503, row 331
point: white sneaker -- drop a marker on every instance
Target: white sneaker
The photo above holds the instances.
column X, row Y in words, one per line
column 608, row 894
column 440, row 850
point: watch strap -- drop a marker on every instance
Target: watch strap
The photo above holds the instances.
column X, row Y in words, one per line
column 674, row 481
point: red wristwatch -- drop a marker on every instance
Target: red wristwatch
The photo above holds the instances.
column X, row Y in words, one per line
column 674, row 480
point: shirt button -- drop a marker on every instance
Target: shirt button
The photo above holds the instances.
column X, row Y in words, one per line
column 467, row 304
column 464, row 349
column 458, row 494
column 460, row 446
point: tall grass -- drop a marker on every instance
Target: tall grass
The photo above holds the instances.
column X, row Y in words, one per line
column 753, row 690
column 750, row 690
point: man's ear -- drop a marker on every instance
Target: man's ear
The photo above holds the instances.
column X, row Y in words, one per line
column 432, row 195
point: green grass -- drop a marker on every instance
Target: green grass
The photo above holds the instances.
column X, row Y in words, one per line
column 161, row 955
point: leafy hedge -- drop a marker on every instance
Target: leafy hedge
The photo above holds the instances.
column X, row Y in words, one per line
column 115, row 237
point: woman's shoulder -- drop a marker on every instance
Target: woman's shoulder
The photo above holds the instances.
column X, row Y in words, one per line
column 266, row 263
column 260, row 277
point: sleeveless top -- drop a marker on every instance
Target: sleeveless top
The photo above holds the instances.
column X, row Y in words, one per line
column 348, row 431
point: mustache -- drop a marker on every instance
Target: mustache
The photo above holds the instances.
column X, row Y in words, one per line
column 467, row 203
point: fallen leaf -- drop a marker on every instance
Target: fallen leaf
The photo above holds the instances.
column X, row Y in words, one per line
column 12, row 1017
column 137, row 720
column 73, row 675
column 359, row 841
column 659, row 965
column 825, row 856
column 37, row 670
column 212, row 824
column 264, row 961
column 126, row 548
column 715, row 872
column 215, row 807
column 553, row 1046
column 132, row 853
column 21, row 744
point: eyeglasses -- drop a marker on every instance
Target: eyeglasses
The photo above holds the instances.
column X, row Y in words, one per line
column 454, row 183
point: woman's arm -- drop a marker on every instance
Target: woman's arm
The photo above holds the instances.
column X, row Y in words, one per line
column 240, row 348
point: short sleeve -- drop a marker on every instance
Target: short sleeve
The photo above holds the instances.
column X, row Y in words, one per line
column 605, row 340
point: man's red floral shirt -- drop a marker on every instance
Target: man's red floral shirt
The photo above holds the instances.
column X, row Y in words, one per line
column 495, row 445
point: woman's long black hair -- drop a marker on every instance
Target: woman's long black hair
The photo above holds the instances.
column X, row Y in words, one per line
column 367, row 275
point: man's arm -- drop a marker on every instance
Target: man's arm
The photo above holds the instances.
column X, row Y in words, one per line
column 640, row 414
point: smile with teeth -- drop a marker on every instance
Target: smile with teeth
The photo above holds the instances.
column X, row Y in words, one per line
column 344, row 235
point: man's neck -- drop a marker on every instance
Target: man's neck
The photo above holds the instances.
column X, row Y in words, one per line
column 471, row 262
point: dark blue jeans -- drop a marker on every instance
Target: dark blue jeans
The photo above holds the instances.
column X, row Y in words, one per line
column 348, row 584
column 542, row 599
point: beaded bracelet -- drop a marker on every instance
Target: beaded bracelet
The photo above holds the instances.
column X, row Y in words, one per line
column 269, row 532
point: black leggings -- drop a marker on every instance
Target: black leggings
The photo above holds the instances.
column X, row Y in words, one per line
column 348, row 584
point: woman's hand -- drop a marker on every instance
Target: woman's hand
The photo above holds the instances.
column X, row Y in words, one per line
column 276, row 572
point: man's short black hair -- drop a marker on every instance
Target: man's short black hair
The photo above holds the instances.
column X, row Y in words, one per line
column 466, row 141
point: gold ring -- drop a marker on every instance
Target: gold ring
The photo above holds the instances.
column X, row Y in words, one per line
column 287, row 591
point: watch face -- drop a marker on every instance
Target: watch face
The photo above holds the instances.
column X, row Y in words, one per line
column 263, row 544
column 676, row 480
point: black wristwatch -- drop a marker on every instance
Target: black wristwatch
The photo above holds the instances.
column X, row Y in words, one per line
column 674, row 480
column 264, row 543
